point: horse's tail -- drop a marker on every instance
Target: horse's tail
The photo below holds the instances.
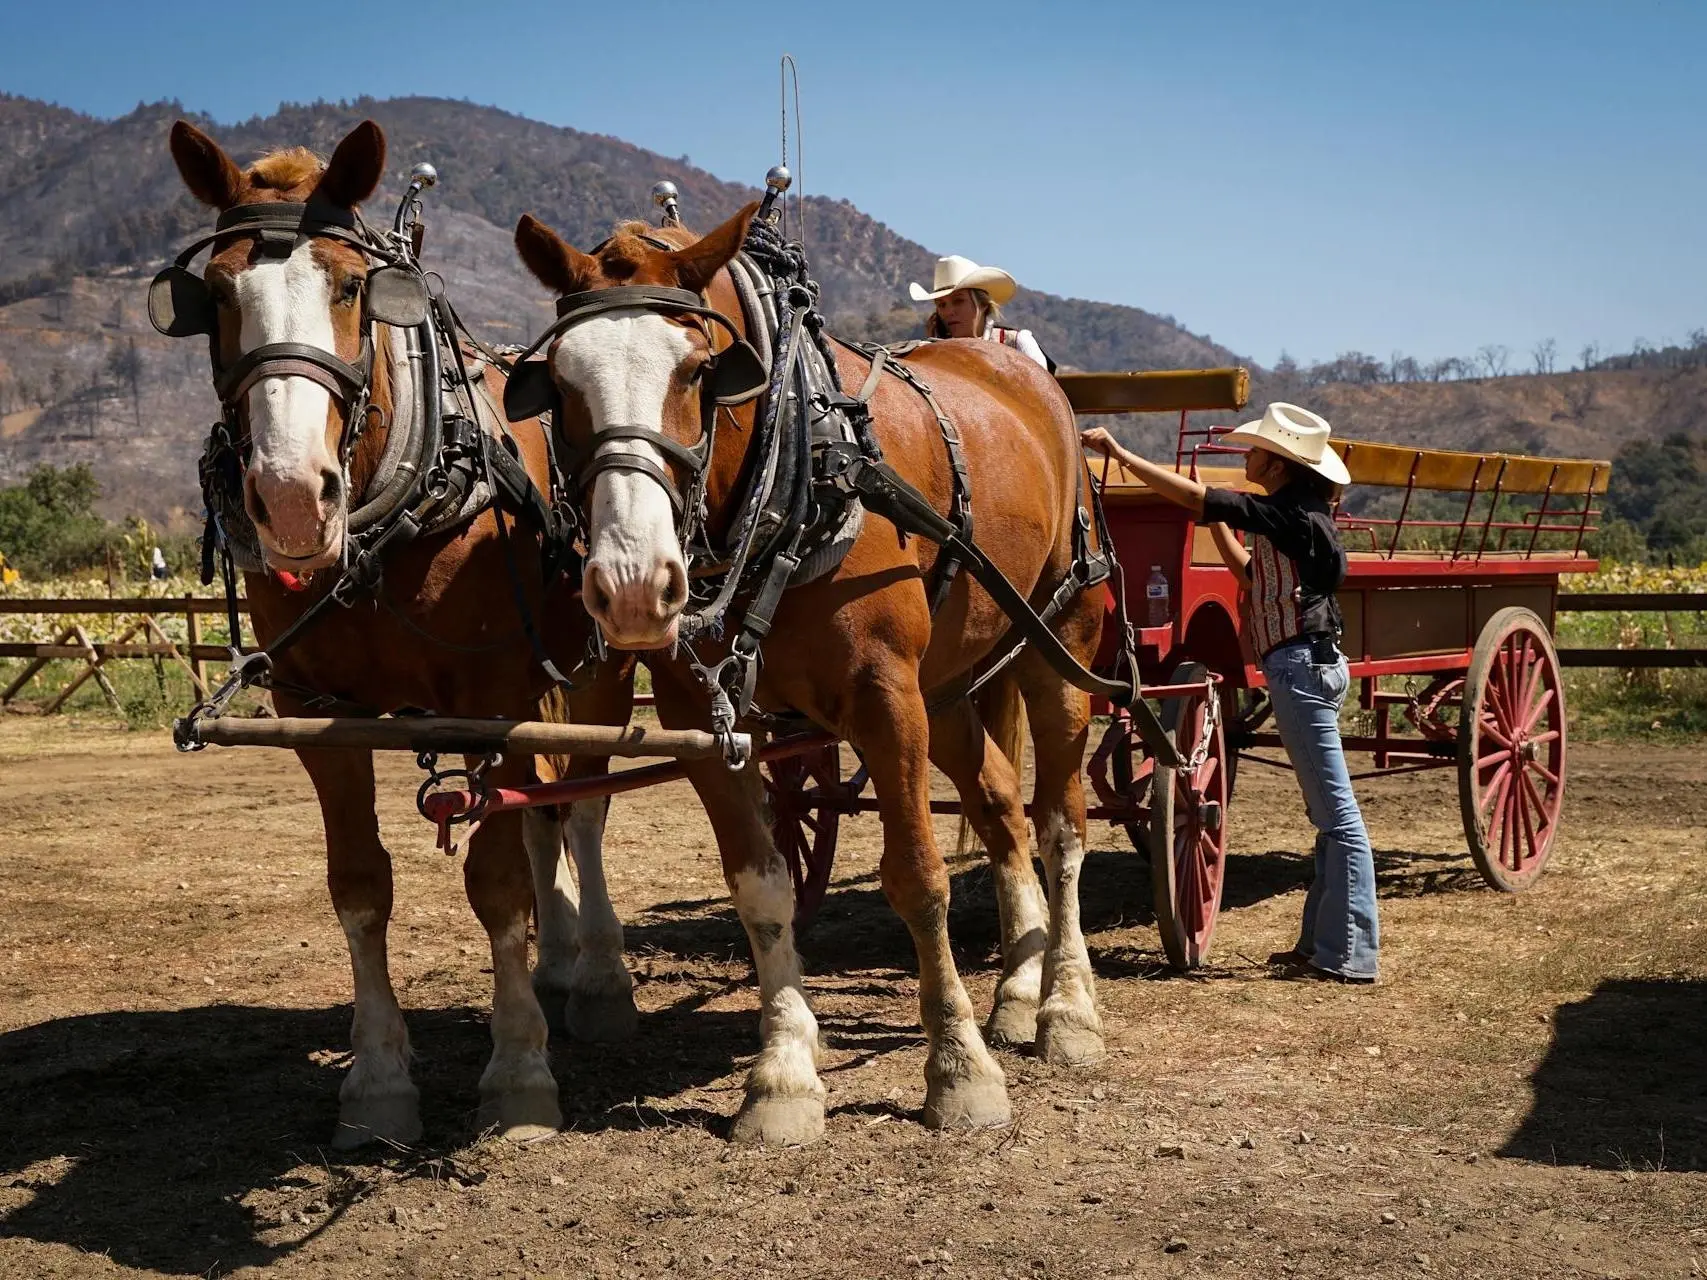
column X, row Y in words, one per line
column 1002, row 710
column 554, row 709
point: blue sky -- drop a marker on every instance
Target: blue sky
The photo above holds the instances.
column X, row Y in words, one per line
column 1301, row 175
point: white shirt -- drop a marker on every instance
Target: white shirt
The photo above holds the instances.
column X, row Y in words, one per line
column 1020, row 339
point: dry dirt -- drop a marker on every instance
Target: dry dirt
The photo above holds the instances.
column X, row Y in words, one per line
column 1525, row 1094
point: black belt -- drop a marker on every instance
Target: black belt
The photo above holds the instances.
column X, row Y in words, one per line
column 1324, row 647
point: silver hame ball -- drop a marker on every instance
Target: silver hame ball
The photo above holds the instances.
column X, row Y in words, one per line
column 424, row 173
column 663, row 192
column 779, row 178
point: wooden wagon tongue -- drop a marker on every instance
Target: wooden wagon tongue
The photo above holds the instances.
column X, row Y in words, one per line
column 466, row 736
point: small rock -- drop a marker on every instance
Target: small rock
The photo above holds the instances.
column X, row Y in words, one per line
column 183, row 884
column 317, row 1206
column 1421, row 1259
column 1248, row 1142
column 1175, row 1245
column 1091, row 1197
column 466, row 951
column 1171, row 1151
column 1374, row 1050
column 557, row 1179
column 989, row 1206
column 1471, row 1158
column 895, row 1094
column 1304, row 1139
column 1389, row 1218
column 790, row 1188
column 1098, row 1092
column 302, row 942
column 397, row 1215
column 1461, row 1016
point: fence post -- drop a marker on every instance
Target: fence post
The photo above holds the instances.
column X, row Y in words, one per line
column 195, row 638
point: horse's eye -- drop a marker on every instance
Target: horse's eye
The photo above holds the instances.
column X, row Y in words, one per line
column 352, row 289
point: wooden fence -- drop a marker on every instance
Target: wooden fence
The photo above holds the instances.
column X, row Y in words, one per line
column 143, row 638
column 146, row 638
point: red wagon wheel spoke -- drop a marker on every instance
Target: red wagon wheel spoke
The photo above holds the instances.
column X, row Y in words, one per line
column 1512, row 749
column 1187, row 824
column 803, row 792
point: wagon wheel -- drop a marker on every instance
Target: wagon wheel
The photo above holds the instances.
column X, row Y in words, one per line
column 1129, row 771
column 1188, row 827
column 804, row 792
column 1511, row 749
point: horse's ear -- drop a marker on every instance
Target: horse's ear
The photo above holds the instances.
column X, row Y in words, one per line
column 206, row 170
column 556, row 264
column 704, row 258
column 355, row 168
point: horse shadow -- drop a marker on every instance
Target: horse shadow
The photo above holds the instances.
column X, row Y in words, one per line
column 855, row 931
column 141, row 1135
column 1624, row 1083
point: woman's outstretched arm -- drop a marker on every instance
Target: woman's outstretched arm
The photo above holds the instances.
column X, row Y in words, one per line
column 1178, row 489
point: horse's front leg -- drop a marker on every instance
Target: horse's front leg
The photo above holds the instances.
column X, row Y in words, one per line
column 377, row 1101
column 784, row 1102
column 557, row 910
column 595, row 1000
column 963, row 1084
column 518, row 1093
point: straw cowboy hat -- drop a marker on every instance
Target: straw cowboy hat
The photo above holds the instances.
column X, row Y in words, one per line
column 1297, row 434
column 954, row 272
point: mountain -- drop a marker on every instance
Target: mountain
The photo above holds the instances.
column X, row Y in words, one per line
column 91, row 208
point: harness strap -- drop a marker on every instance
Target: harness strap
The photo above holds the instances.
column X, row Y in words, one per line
column 883, row 490
column 296, row 359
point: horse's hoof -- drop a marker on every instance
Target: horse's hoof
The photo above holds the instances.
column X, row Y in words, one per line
column 597, row 1018
column 522, row 1114
column 967, row 1104
column 1066, row 1040
column 771, row 1121
column 394, row 1119
column 1012, row 1025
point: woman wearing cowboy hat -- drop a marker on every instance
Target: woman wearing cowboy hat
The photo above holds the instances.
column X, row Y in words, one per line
column 1290, row 574
column 969, row 302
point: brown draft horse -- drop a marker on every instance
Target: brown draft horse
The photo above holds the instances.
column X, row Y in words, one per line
column 857, row 651
column 443, row 631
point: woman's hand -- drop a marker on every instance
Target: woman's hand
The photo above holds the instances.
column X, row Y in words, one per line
column 1098, row 440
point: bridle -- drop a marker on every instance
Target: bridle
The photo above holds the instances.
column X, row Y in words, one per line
column 180, row 305
column 732, row 376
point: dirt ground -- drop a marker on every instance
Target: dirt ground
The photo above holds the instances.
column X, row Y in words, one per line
column 1525, row 1094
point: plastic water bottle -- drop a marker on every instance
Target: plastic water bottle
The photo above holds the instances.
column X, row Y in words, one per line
column 1157, row 610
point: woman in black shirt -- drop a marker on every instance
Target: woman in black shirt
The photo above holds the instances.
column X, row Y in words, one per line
column 1290, row 574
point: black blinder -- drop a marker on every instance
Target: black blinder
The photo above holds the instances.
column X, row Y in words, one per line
column 529, row 391
column 737, row 374
column 397, row 296
column 180, row 305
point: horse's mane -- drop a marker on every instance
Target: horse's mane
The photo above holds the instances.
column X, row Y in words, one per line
column 286, row 170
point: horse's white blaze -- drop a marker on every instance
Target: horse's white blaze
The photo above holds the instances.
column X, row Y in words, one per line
column 788, row 1064
column 623, row 365
column 289, row 300
column 378, row 1037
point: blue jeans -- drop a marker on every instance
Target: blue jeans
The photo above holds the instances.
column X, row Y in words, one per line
column 1340, row 932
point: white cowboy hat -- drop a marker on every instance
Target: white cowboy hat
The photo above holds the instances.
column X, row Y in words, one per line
column 1297, row 434
column 954, row 272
